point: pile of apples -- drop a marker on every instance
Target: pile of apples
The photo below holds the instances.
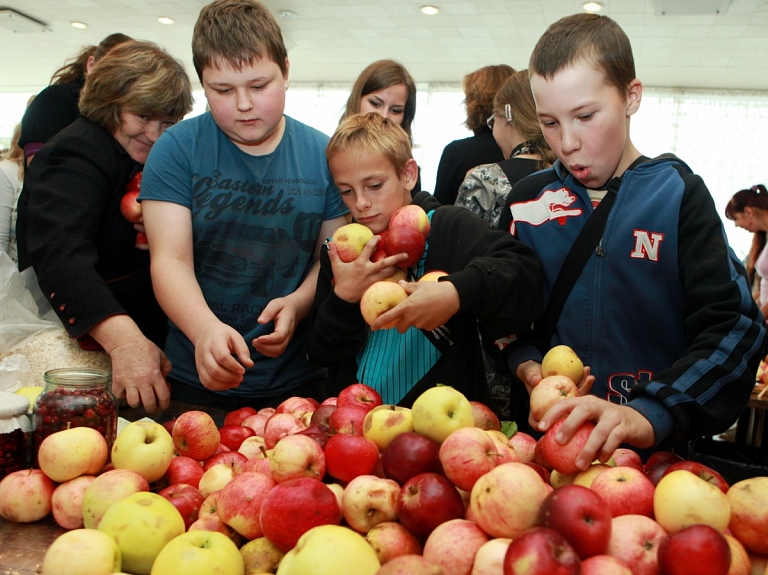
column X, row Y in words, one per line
column 353, row 486
column 407, row 232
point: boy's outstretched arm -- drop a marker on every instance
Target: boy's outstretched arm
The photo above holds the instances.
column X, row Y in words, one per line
column 221, row 353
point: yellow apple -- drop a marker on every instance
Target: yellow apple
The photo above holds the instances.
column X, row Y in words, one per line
column 72, row 452
column 562, row 360
column 557, row 479
column 385, row 422
column 141, row 525
column 682, row 498
column 400, row 274
column 82, row 552
column 30, row 392
column 330, row 550
column 145, row 447
column 440, row 411
column 107, row 488
column 199, row 553
column 350, row 240
column 379, row 298
column 584, row 478
column 260, row 556
column 432, row 276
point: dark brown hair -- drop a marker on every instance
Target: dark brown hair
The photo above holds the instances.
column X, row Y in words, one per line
column 75, row 68
column 378, row 76
column 755, row 197
column 139, row 78
column 480, row 88
column 237, row 32
column 589, row 37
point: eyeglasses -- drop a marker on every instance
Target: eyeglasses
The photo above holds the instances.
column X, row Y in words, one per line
column 507, row 116
column 489, row 121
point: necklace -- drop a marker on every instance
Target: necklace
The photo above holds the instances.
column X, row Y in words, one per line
column 524, row 148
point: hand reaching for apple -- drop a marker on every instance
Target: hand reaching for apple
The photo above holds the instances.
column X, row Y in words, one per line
column 221, row 356
column 284, row 314
column 351, row 279
column 139, row 369
column 429, row 305
column 615, row 424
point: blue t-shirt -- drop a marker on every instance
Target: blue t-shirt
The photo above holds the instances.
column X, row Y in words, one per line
column 255, row 223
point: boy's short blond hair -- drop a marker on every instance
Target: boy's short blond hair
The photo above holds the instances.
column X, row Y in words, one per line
column 237, row 32
column 588, row 37
column 371, row 133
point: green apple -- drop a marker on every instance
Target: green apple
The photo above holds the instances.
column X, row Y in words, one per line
column 385, row 422
column 72, row 452
column 141, row 525
column 82, row 552
column 440, row 411
column 330, row 550
column 145, row 447
column 199, row 553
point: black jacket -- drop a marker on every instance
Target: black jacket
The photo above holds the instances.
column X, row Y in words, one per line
column 499, row 284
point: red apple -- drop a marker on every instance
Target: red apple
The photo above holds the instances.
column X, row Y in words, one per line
column 411, row 216
column 296, row 406
column 484, row 416
column 169, row 426
column 411, row 453
column 67, row 502
column 628, row 457
column 454, row 544
column 410, row 564
column 184, row 469
column 268, row 411
column 130, row 206
column 348, row 419
column 349, row 456
column 406, row 240
column 706, row 473
column 662, row 456
column 329, row 401
column 635, row 541
column 541, row 551
column 280, row 425
column 655, row 473
column 257, row 421
column 322, row 414
column 562, row 457
column 581, row 516
column 317, row 431
column 390, row 539
column 213, row 523
column 749, row 513
column 524, row 444
column 293, row 507
column 545, row 474
column 233, row 459
column 427, row 500
column 233, row 435
column 625, row 490
column 237, row 416
column 187, row 499
column 297, row 456
column 698, row 548
column 359, row 394
column 196, row 435
column 26, row 495
column 239, row 503
column 603, row 565
column 467, row 454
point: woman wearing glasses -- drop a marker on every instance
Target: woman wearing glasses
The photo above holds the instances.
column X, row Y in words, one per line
column 516, row 129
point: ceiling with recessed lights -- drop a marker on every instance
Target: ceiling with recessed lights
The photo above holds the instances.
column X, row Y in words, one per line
column 678, row 43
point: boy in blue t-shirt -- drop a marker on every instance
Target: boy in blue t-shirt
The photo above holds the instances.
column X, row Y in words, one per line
column 236, row 203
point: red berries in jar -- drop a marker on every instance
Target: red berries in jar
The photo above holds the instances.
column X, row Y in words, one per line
column 14, row 433
column 75, row 397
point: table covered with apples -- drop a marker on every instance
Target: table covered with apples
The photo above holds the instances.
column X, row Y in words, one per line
column 354, row 486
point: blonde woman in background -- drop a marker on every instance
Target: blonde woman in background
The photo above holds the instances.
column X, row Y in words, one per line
column 11, row 178
column 516, row 130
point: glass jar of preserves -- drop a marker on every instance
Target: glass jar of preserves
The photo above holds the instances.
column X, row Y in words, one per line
column 75, row 397
column 14, row 433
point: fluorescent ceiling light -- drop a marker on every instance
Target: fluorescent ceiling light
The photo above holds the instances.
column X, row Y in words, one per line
column 78, row 25
column 593, row 6
column 164, row 20
column 19, row 23
column 287, row 14
column 430, row 10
